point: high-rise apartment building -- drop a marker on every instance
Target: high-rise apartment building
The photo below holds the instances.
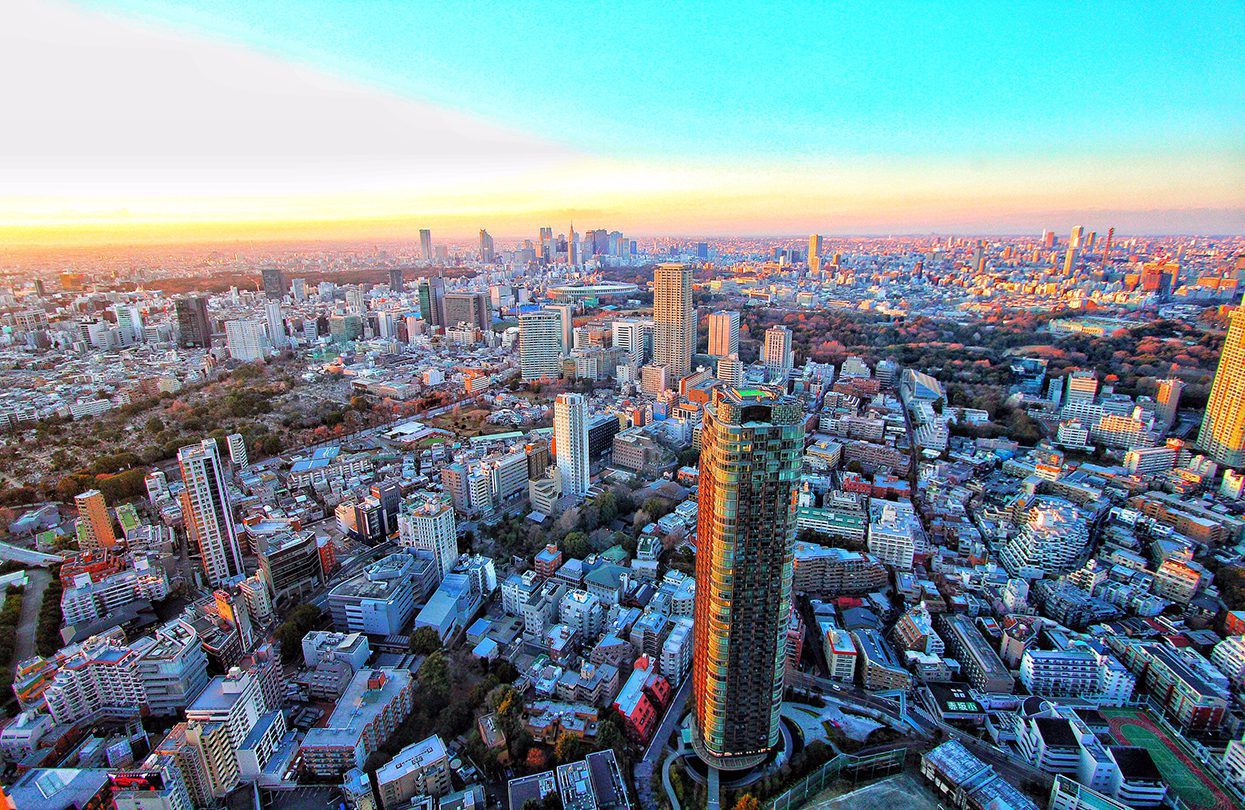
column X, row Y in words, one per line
column 425, row 244
column 751, row 444
column 237, row 450
column 1223, row 427
column 777, row 353
column 430, row 525
column 207, row 512
column 95, row 532
column 723, row 333
column 247, row 340
column 1167, row 401
column 730, row 371
column 570, row 435
column 540, row 345
column 276, row 324
column 674, row 319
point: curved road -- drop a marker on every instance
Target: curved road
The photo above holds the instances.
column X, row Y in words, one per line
column 665, row 780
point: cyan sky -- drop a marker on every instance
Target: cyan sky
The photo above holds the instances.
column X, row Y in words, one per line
column 169, row 118
column 795, row 80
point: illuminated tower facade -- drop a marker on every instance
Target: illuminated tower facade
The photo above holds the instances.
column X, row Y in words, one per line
column 752, row 439
column 723, row 333
column 814, row 252
column 1223, row 427
column 94, row 524
column 1167, row 401
column 674, row 319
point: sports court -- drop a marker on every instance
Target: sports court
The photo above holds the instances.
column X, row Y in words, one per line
column 1181, row 772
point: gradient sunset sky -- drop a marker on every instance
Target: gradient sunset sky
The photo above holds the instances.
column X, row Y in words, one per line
column 158, row 120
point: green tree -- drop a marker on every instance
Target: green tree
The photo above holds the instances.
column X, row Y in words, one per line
column 425, row 641
column 607, row 504
column 575, row 545
column 434, row 675
column 657, row 508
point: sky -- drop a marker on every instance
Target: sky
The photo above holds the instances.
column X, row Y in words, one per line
column 150, row 120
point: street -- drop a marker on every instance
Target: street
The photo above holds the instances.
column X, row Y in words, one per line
column 653, row 755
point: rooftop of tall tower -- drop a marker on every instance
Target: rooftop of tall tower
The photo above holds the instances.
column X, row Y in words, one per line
column 758, row 403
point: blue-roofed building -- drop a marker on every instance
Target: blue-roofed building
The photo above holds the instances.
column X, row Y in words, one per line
column 451, row 605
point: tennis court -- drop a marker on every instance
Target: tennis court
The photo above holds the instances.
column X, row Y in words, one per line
column 1179, row 769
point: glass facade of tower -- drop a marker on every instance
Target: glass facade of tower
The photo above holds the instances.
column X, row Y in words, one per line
column 752, row 440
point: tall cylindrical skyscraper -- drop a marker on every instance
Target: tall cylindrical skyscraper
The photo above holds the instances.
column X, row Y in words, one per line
column 751, row 444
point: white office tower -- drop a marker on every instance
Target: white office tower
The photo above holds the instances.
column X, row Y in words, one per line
column 129, row 324
column 276, row 323
column 385, row 325
column 674, row 320
column 207, row 513
column 298, row 289
column 777, row 353
column 723, row 333
column 429, row 525
column 1054, row 536
column 1081, row 385
column 540, row 345
column 567, row 313
column 247, row 340
column 570, row 434
column 730, row 371
column 237, row 450
column 634, row 336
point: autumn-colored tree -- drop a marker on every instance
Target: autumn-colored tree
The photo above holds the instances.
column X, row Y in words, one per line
column 747, row 802
column 537, row 759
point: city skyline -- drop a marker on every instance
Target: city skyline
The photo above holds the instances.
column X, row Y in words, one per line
column 347, row 134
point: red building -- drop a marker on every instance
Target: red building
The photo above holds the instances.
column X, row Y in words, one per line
column 548, row 561
column 642, row 700
column 328, row 557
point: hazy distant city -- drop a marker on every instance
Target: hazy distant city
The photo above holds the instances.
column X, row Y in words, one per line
column 429, row 524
